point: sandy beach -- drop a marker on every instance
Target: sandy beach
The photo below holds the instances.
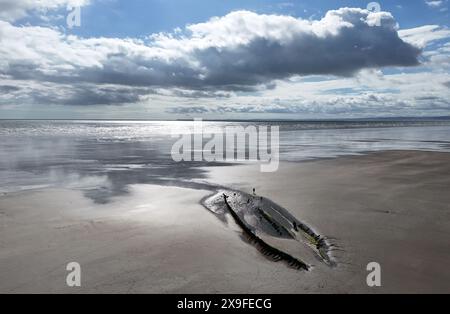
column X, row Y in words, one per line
column 245, row 148
column 386, row 207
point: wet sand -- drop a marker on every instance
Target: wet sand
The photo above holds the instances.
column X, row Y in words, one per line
column 390, row 207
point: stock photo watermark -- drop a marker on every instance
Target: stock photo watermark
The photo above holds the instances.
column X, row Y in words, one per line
column 373, row 279
column 73, row 278
column 242, row 144
column 73, row 17
column 375, row 7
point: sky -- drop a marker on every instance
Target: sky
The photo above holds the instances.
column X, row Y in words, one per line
column 224, row 59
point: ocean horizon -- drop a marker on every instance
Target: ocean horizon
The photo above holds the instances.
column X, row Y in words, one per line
column 36, row 153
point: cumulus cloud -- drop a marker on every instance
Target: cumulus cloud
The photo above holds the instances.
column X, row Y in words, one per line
column 242, row 51
column 415, row 93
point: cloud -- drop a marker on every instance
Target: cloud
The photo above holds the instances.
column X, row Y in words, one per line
column 439, row 57
column 423, row 35
column 366, row 104
column 8, row 89
column 88, row 95
column 11, row 10
column 188, row 110
column 240, row 52
column 434, row 3
column 371, row 93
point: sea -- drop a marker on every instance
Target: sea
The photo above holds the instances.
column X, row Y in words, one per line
column 103, row 158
